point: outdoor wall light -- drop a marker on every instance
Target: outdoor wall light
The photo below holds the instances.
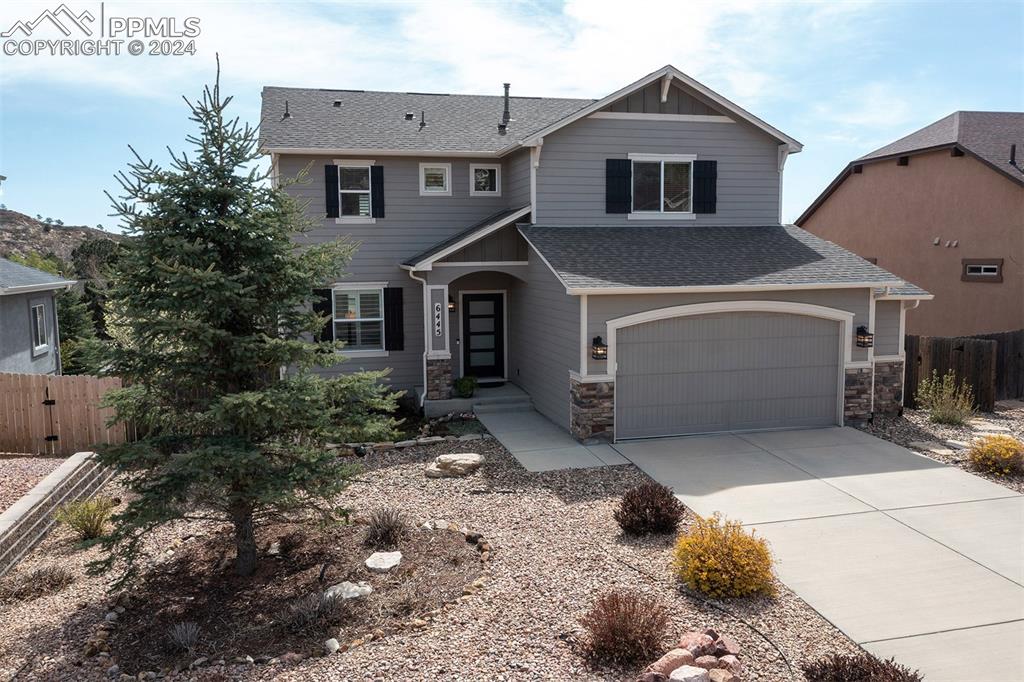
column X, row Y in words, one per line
column 864, row 338
column 599, row 349
column 451, row 304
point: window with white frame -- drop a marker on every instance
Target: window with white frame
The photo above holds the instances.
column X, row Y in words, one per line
column 435, row 179
column 982, row 270
column 40, row 342
column 662, row 184
column 484, row 180
column 354, row 185
column 359, row 318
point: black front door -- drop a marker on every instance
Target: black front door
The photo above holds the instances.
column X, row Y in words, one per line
column 483, row 336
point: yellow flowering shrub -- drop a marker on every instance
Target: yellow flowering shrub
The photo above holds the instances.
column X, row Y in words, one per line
column 1000, row 455
column 719, row 558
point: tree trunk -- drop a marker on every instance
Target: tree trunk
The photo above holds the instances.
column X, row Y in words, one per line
column 245, row 541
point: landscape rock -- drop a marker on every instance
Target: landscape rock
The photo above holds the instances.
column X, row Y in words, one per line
column 670, row 661
column 725, row 646
column 114, row 671
column 382, row 562
column 455, row 464
column 470, row 436
column 651, row 676
column 348, row 590
column 697, row 643
column 427, row 440
column 731, row 663
column 331, row 645
column 689, row 673
column 708, row 662
column 110, row 617
column 722, row 675
column 405, row 444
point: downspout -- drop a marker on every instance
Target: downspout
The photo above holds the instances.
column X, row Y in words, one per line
column 426, row 338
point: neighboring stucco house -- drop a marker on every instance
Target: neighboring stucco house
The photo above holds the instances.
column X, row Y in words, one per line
column 942, row 207
column 29, row 333
column 621, row 260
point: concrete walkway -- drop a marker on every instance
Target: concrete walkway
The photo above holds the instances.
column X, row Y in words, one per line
column 539, row 445
column 909, row 557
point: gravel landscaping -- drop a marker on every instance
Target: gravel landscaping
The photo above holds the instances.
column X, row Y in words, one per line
column 555, row 547
column 20, row 473
column 914, row 427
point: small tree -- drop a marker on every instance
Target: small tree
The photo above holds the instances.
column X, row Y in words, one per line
column 212, row 298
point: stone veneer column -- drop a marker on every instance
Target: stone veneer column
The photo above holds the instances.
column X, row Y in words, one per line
column 439, row 379
column 592, row 410
column 857, row 396
column 889, row 387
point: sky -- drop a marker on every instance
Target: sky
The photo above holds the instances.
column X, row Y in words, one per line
column 842, row 77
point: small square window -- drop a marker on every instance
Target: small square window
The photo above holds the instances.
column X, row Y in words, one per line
column 484, row 180
column 435, row 179
column 982, row 270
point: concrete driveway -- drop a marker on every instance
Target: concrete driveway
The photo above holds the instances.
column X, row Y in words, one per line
column 909, row 557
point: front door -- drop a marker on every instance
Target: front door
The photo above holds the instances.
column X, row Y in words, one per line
column 483, row 336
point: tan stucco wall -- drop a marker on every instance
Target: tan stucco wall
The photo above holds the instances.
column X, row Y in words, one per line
column 894, row 213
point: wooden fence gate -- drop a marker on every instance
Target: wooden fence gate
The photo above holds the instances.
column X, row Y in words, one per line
column 972, row 360
column 1009, row 363
column 55, row 415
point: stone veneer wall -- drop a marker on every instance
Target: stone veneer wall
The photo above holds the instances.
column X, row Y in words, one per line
column 439, row 379
column 592, row 410
column 889, row 387
column 857, row 395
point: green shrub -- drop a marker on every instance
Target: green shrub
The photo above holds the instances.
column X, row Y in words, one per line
column 623, row 627
column 721, row 559
column 858, row 668
column 999, row 455
column 465, row 387
column 946, row 400
column 87, row 518
column 649, row 508
column 38, row 582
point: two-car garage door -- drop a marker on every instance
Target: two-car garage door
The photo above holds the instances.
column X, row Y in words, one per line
column 726, row 372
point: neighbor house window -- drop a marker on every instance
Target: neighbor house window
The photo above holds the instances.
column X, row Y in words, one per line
column 359, row 318
column 662, row 184
column 435, row 179
column 484, row 180
column 354, row 182
column 982, row 270
column 38, row 322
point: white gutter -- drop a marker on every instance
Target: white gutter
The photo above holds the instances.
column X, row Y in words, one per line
column 579, row 291
column 31, row 288
column 426, row 334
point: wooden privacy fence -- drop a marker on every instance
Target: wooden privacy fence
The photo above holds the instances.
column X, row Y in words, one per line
column 1009, row 363
column 972, row 360
column 55, row 415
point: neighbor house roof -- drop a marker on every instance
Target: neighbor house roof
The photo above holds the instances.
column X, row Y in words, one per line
column 985, row 135
column 472, row 233
column 591, row 258
column 20, row 279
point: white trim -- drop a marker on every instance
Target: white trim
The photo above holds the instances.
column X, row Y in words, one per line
column 656, row 215
column 496, row 167
column 275, row 171
column 447, row 191
column 427, row 263
column 365, row 353
column 355, row 219
column 360, row 285
column 668, row 70
column 480, row 263
column 578, row 291
column 356, row 163
column 661, row 160
column 903, row 330
column 534, row 165
column 887, row 358
column 843, row 317
column 686, row 118
column 34, row 320
column 905, row 297
column 672, row 158
column 438, row 355
column 33, row 288
column 860, row 364
column 783, row 153
column 584, row 326
column 871, row 348
column 591, row 378
column 315, row 151
column 504, row 311
column 666, row 83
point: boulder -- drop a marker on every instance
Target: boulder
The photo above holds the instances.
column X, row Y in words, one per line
column 331, row 645
column 722, row 675
column 382, row 562
column 708, row 662
column 456, row 464
column 730, row 663
column 670, row 661
column 697, row 643
column 651, row 676
column 405, row 444
column 725, row 646
column 689, row 673
column 348, row 590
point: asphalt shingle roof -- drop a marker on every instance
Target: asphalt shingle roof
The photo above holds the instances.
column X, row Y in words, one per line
column 987, row 134
column 16, row 275
column 625, row 257
column 456, row 238
column 376, row 120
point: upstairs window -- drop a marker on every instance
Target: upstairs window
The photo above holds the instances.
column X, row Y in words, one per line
column 662, row 184
column 435, row 179
column 982, row 270
column 354, row 182
column 359, row 319
column 40, row 342
column 484, row 180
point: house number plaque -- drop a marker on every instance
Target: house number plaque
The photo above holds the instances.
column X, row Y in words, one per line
column 437, row 319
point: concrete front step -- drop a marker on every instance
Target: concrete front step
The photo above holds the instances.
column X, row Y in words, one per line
column 503, row 406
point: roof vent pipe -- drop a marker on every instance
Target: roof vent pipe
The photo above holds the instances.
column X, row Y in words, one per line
column 506, row 116
column 1013, row 155
column 423, row 119
column 287, row 115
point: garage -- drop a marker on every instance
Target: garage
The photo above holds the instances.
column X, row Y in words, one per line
column 729, row 371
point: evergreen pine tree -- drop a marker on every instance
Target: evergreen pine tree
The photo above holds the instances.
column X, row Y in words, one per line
column 212, row 299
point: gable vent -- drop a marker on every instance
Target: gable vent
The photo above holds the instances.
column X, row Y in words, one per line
column 337, row 104
column 409, row 116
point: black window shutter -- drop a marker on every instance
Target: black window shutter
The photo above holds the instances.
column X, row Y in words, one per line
column 394, row 327
column 331, row 188
column 618, row 193
column 705, row 186
column 323, row 304
column 376, row 192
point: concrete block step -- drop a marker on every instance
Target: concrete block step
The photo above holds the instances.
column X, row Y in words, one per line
column 491, row 408
column 499, row 399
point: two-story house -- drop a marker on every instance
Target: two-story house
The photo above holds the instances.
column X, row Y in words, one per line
column 944, row 207
column 621, row 260
column 29, row 333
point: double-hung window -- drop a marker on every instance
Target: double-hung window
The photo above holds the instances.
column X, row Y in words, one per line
column 662, row 185
column 359, row 318
column 40, row 342
column 354, row 185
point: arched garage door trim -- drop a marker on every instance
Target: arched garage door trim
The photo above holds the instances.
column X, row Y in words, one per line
column 843, row 317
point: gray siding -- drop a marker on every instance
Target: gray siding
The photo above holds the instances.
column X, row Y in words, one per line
column 571, row 176
column 544, row 339
column 516, row 178
column 648, row 101
column 16, row 353
column 600, row 309
column 887, row 327
column 504, row 245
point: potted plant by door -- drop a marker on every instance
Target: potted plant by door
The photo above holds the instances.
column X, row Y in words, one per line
column 465, row 387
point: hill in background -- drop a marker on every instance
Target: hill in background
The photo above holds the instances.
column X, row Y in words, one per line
column 21, row 235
